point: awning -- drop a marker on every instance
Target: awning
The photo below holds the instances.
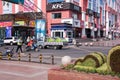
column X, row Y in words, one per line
column 59, row 27
column 21, row 16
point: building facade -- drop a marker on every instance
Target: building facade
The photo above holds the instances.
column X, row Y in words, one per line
column 69, row 18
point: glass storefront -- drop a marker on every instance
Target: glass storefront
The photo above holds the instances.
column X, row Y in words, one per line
column 2, row 32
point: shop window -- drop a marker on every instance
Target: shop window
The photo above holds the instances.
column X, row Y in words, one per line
column 56, row 15
column 57, row 34
column 69, row 34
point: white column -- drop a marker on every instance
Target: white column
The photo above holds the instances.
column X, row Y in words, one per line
column 16, row 8
column 83, row 33
column 98, row 28
column 83, row 29
column 92, row 32
column 107, row 23
column 98, row 32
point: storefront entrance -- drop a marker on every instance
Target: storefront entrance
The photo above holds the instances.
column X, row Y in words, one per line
column 23, row 31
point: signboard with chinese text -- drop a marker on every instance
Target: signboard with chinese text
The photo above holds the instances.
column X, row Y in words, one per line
column 5, row 24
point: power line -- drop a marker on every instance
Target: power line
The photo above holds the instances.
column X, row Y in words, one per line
column 44, row 15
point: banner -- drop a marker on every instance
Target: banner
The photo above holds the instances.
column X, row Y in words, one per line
column 7, row 7
column 8, row 32
column 40, row 29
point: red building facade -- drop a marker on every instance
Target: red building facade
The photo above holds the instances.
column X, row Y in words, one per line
column 73, row 18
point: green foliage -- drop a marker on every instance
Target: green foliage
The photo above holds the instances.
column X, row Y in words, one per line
column 113, row 59
column 50, row 40
column 99, row 58
column 58, row 39
column 84, row 68
column 89, row 62
column 78, row 63
column 94, row 59
column 103, row 69
column 103, row 56
column 68, row 67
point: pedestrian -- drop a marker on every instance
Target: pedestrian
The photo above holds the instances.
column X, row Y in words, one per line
column 19, row 45
column 28, row 39
column 74, row 42
column 79, row 35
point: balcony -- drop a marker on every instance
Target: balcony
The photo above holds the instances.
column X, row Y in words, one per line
column 89, row 12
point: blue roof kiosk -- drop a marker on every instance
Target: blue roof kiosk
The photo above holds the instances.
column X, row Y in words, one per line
column 62, row 31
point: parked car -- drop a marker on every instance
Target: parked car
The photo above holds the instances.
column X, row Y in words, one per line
column 10, row 40
column 1, row 42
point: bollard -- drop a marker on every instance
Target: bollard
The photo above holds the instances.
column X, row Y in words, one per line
column 9, row 56
column 19, row 56
column 40, row 57
column 0, row 55
column 52, row 56
column 29, row 57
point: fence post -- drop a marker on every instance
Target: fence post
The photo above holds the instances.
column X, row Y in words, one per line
column 0, row 55
column 9, row 56
column 40, row 57
column 52, row 56
column 19, row 56
column 29, row 57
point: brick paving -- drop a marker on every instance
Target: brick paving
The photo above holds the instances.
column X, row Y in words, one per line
column 15, row 70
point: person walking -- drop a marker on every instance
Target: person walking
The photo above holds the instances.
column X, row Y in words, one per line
column 28, row 39
column 19, row 45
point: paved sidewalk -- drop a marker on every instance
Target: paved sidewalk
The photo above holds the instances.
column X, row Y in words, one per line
column 15, row 70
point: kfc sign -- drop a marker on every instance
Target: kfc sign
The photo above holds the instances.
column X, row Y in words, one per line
column 57, row 6
column 63, row 6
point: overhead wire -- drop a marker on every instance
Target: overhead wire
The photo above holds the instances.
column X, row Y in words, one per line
column 44, row 15
column 25, row 5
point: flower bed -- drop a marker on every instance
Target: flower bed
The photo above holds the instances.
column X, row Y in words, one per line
column 95, row 66
column 59, row 74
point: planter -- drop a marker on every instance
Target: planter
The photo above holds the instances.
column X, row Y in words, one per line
column 59, row 74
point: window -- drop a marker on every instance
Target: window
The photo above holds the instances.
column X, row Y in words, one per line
column 56, row 15
column 69, row 34
column 74, row 16
column 90, row 4
column 57, row 34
